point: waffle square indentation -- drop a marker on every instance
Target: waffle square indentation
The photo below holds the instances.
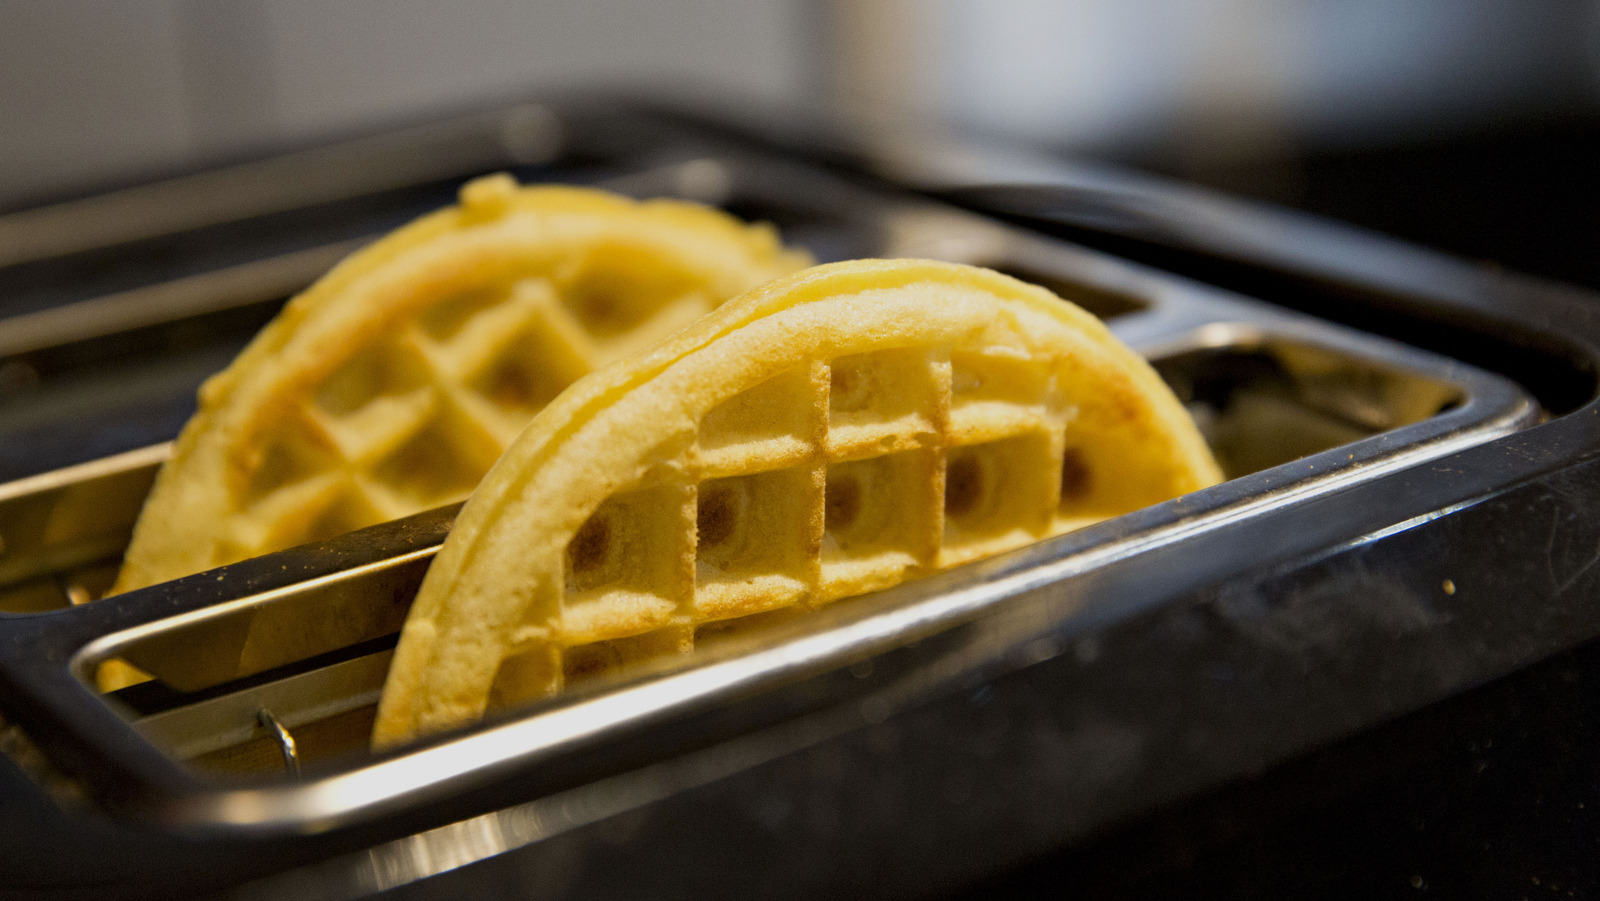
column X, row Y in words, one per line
column 526, row 675
column 774, row 424
column 880, row 521
column 291, row 456
column 1106, row 471
column 994, row 394
column 757, row 539
column 620, row 286
column 450, row 317
column 439, row 463
column 884, row 400
column 381, row 369
column 997, row 495
column 625, row 567
column 528, row 369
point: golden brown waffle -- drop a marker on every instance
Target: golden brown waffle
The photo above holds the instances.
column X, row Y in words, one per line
column 831, row 433
column 391, row 385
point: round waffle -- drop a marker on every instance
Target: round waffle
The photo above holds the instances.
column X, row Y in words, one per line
column 833, row 432
column 392, row 384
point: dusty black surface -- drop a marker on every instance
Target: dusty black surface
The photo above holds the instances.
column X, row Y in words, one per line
column 1493, row 794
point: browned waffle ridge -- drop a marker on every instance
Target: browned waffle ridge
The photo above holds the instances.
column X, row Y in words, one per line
column 830, row 433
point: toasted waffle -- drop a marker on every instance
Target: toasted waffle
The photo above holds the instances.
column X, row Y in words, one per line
column 392, row 384
column 831, row 433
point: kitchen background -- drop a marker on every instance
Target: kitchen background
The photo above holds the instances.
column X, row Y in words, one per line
column 1469, row 124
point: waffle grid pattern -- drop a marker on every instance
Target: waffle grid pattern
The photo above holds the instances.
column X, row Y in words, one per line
column 413, row 420
column 834, row 478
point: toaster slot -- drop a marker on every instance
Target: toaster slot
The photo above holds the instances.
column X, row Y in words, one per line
column 224, row 697
column 266, row 672
column 1264, row 404
column 62, row 533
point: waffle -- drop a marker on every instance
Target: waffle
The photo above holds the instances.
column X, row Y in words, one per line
column 831, row 433
column 392, row 384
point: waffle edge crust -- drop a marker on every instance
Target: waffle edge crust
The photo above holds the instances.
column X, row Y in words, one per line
column 830, row 433
column 392, row 384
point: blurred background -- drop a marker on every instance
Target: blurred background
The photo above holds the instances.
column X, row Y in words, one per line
column 1469, row 125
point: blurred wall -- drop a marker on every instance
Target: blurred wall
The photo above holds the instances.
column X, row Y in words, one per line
column 99, row 90
column 1121, row 73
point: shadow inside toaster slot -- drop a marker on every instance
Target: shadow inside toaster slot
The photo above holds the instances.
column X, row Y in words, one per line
column 827, row 235
column 306, row 714
column 1104, row 302
column 1271, row 402
column 292, row 681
